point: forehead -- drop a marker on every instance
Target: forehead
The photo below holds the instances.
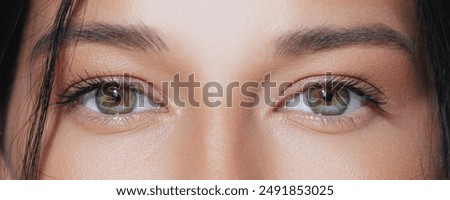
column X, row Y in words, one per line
column 207, row 33
column 231, row 16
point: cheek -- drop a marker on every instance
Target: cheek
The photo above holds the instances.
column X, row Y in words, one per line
column 404, row 146
column 375, row 152
column 74, row 153
column 417, row 127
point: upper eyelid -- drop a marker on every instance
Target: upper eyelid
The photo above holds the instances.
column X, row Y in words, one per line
column 336, row 78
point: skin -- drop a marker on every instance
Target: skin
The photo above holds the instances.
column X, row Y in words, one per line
column 226, row 45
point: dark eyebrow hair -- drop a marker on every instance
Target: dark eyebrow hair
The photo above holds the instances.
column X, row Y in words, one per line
column 127, row 37
column 323, row 38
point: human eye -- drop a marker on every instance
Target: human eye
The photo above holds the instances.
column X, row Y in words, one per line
column 111, row 96
column 111, row 100
column 332, row 101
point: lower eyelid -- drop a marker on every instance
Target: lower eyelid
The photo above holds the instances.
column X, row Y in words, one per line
column 331, row 124
column 91, row 121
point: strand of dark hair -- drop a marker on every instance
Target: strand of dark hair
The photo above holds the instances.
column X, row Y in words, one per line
column 30, row 163
column 435, row 23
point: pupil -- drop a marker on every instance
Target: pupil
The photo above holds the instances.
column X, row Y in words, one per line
column 328, row 101
column 116, row 96
column 328, row 96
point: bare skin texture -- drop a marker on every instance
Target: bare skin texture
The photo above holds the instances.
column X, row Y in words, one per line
column 227, row 41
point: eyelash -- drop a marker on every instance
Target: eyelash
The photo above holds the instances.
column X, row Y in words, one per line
column 371, row 93
column 76, row 90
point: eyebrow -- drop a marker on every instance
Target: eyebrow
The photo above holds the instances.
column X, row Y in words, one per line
column 126, row 37
column 324, row 38
column 289, row 44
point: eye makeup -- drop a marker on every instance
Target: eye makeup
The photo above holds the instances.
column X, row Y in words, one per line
column 326, row 109
column 115, row 103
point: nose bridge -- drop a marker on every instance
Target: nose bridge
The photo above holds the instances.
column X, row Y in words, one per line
column 217, row 133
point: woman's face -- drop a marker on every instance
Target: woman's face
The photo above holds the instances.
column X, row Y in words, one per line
column 271, row 90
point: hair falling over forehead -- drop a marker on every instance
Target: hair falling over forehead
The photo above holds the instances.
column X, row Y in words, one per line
column 433, row 20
